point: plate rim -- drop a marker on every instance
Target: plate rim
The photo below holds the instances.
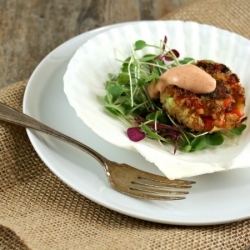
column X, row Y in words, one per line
column 31, row 135
column 74, row 77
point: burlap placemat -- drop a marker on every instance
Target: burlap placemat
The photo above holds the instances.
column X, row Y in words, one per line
column 38, row 211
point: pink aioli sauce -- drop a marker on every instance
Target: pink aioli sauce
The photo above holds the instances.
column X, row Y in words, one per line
column 189, row 77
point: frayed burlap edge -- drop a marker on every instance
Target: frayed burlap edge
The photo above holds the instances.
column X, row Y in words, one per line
column 37, row 209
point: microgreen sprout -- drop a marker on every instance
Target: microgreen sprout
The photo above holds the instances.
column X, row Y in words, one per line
column 128, row 99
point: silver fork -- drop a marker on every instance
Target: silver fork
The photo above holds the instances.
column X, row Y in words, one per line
column 122, row 177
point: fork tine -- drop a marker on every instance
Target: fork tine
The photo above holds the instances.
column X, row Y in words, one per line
column 162, row 179
column 144, row 185
column 158, row 191
column 147, row 196
column 159, row 184
column 154, row 187
column 119, row 175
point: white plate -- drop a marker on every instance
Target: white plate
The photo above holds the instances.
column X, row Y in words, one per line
column 215, row 198
column 84, row 86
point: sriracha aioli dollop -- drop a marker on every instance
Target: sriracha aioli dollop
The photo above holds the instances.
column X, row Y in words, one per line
column 189, row 77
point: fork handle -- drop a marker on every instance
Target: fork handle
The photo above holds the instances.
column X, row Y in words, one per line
column 16, row 117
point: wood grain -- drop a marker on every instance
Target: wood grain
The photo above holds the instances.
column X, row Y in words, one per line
column 29, row 30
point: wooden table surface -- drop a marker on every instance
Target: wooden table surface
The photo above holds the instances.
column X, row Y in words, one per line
column 30, row 29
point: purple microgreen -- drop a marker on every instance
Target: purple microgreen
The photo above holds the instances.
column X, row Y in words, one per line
column 139, row 120
column 135, row 134
column 144, row 114
column 172, row 55
column 127, row 97
column 181, row 130
column 164, row 126
column 176, row 145
column 171, row 133
column 175, row 137
column 164, row 43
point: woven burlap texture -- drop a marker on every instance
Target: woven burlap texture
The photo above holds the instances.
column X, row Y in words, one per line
column 38, row 211
column 232, row 15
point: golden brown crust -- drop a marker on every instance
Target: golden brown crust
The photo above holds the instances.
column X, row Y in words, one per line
column 221, row 109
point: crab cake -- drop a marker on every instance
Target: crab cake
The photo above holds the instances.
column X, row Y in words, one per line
column 221, row 109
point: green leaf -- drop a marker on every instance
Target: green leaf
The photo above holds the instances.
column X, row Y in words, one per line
column 110, row 83
column 136, row 73
column 107, row 99
column 154, row 116
column 186, row 60
column 124, row 67
column 151, row 77
column 115, row 110
column 158, row 70
column 116, row 92
column 140, row 44
column 111, row 77
column 150, row 133
column 238, row 130
column 123, row 78
column 140, row 82
column 187, row 148
column 127, row 109
column 163, row 118
column 151, row 117
column 198, row 143
column 214, row 139
column 147, row 58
